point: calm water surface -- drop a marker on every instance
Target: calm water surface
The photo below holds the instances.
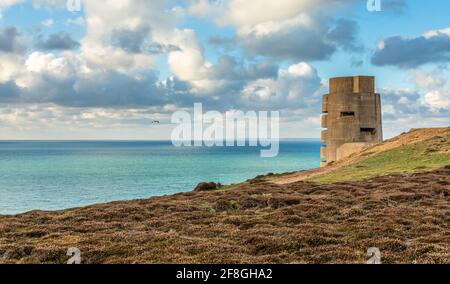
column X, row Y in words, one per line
column 59, row 175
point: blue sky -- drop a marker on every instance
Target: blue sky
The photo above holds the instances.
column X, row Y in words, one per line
column 107, row 71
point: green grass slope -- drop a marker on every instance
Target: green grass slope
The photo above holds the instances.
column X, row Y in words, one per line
column 422, row 156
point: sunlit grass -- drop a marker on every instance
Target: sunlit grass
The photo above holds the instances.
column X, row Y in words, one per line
column 423, row 156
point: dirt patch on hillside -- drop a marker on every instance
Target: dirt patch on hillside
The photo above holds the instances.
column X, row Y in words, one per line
column 405, row 216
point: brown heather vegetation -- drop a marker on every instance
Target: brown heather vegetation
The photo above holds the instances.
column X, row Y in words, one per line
column 406, row 216
column 271, row 219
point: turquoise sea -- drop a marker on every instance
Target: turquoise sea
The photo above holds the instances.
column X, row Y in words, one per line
column 42, row 175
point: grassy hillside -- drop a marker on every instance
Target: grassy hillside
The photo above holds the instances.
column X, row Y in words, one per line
column 421, row 156
column 405, row 216
column 415, row 151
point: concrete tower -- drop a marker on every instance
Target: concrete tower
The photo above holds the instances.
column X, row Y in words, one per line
column 351, row 116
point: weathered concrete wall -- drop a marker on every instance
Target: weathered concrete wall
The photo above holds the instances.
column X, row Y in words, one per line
column 352, row 114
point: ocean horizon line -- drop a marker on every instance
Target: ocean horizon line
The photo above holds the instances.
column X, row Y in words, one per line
column 137, row 140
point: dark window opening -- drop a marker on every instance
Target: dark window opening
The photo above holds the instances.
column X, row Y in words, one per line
column 347, row 113
column 369, row 130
